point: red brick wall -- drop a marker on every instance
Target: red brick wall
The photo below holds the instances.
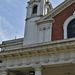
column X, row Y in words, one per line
column 57, row 29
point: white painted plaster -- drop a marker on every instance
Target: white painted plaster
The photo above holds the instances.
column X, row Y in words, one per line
column 32, row 34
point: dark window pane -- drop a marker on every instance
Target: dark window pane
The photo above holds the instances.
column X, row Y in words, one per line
column 71, row 29
column 35, row 9
column 0, row 61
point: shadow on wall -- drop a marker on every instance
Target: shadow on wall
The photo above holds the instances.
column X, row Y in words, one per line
column 0, row 63
column 0, row 49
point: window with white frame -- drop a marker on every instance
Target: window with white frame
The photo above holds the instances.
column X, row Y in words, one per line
column 69, row 27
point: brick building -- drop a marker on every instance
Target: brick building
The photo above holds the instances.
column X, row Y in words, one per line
column 48, row 46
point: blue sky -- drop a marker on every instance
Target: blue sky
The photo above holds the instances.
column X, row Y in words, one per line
column 12, row 18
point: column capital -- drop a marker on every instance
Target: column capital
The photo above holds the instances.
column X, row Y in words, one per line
column 67, row 73
column 37, row 67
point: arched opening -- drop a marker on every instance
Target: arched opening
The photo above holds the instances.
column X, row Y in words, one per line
column 71, row 29
column 35, row 9
column 69, row 21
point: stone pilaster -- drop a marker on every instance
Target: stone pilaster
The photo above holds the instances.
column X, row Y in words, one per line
column 4, row 72
column 0, row 73
column 38, row 69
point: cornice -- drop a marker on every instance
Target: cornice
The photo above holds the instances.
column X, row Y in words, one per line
column 50, row 20
column 41, row 48
column 33, row 17
column 11, row 42
column 30, row 2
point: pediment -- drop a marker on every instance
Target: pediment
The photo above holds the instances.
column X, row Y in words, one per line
column 57, row 10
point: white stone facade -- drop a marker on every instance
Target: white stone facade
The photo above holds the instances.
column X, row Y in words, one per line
column 32, row 32
column 36, row 52
column 39, row 58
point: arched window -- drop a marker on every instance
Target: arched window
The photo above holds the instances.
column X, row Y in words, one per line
column 71, row 29
column 35, row 9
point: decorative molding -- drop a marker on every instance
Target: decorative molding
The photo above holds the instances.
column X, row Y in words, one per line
column 49, row 53
column 45, row 26
column 33, row 17
column 48, row 20
column 11, row 42
column 43, row 59
column 37, row 67
column 31, row 1
column 51, row 46
column 38, row 55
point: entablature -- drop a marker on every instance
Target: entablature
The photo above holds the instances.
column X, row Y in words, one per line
column 40, row 48
column 7, row 45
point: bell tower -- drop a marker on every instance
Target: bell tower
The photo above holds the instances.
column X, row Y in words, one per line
column 35, row 10
column 38, row 8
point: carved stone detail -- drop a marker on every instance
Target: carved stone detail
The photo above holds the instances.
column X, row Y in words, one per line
column 44, row 26
column 66, row 56
column 56, row 57
column 51, row 58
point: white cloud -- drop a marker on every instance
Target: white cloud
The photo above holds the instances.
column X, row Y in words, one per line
column 5, row 22
column 3, row 33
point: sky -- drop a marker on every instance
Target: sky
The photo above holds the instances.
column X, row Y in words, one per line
column 12, row 18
